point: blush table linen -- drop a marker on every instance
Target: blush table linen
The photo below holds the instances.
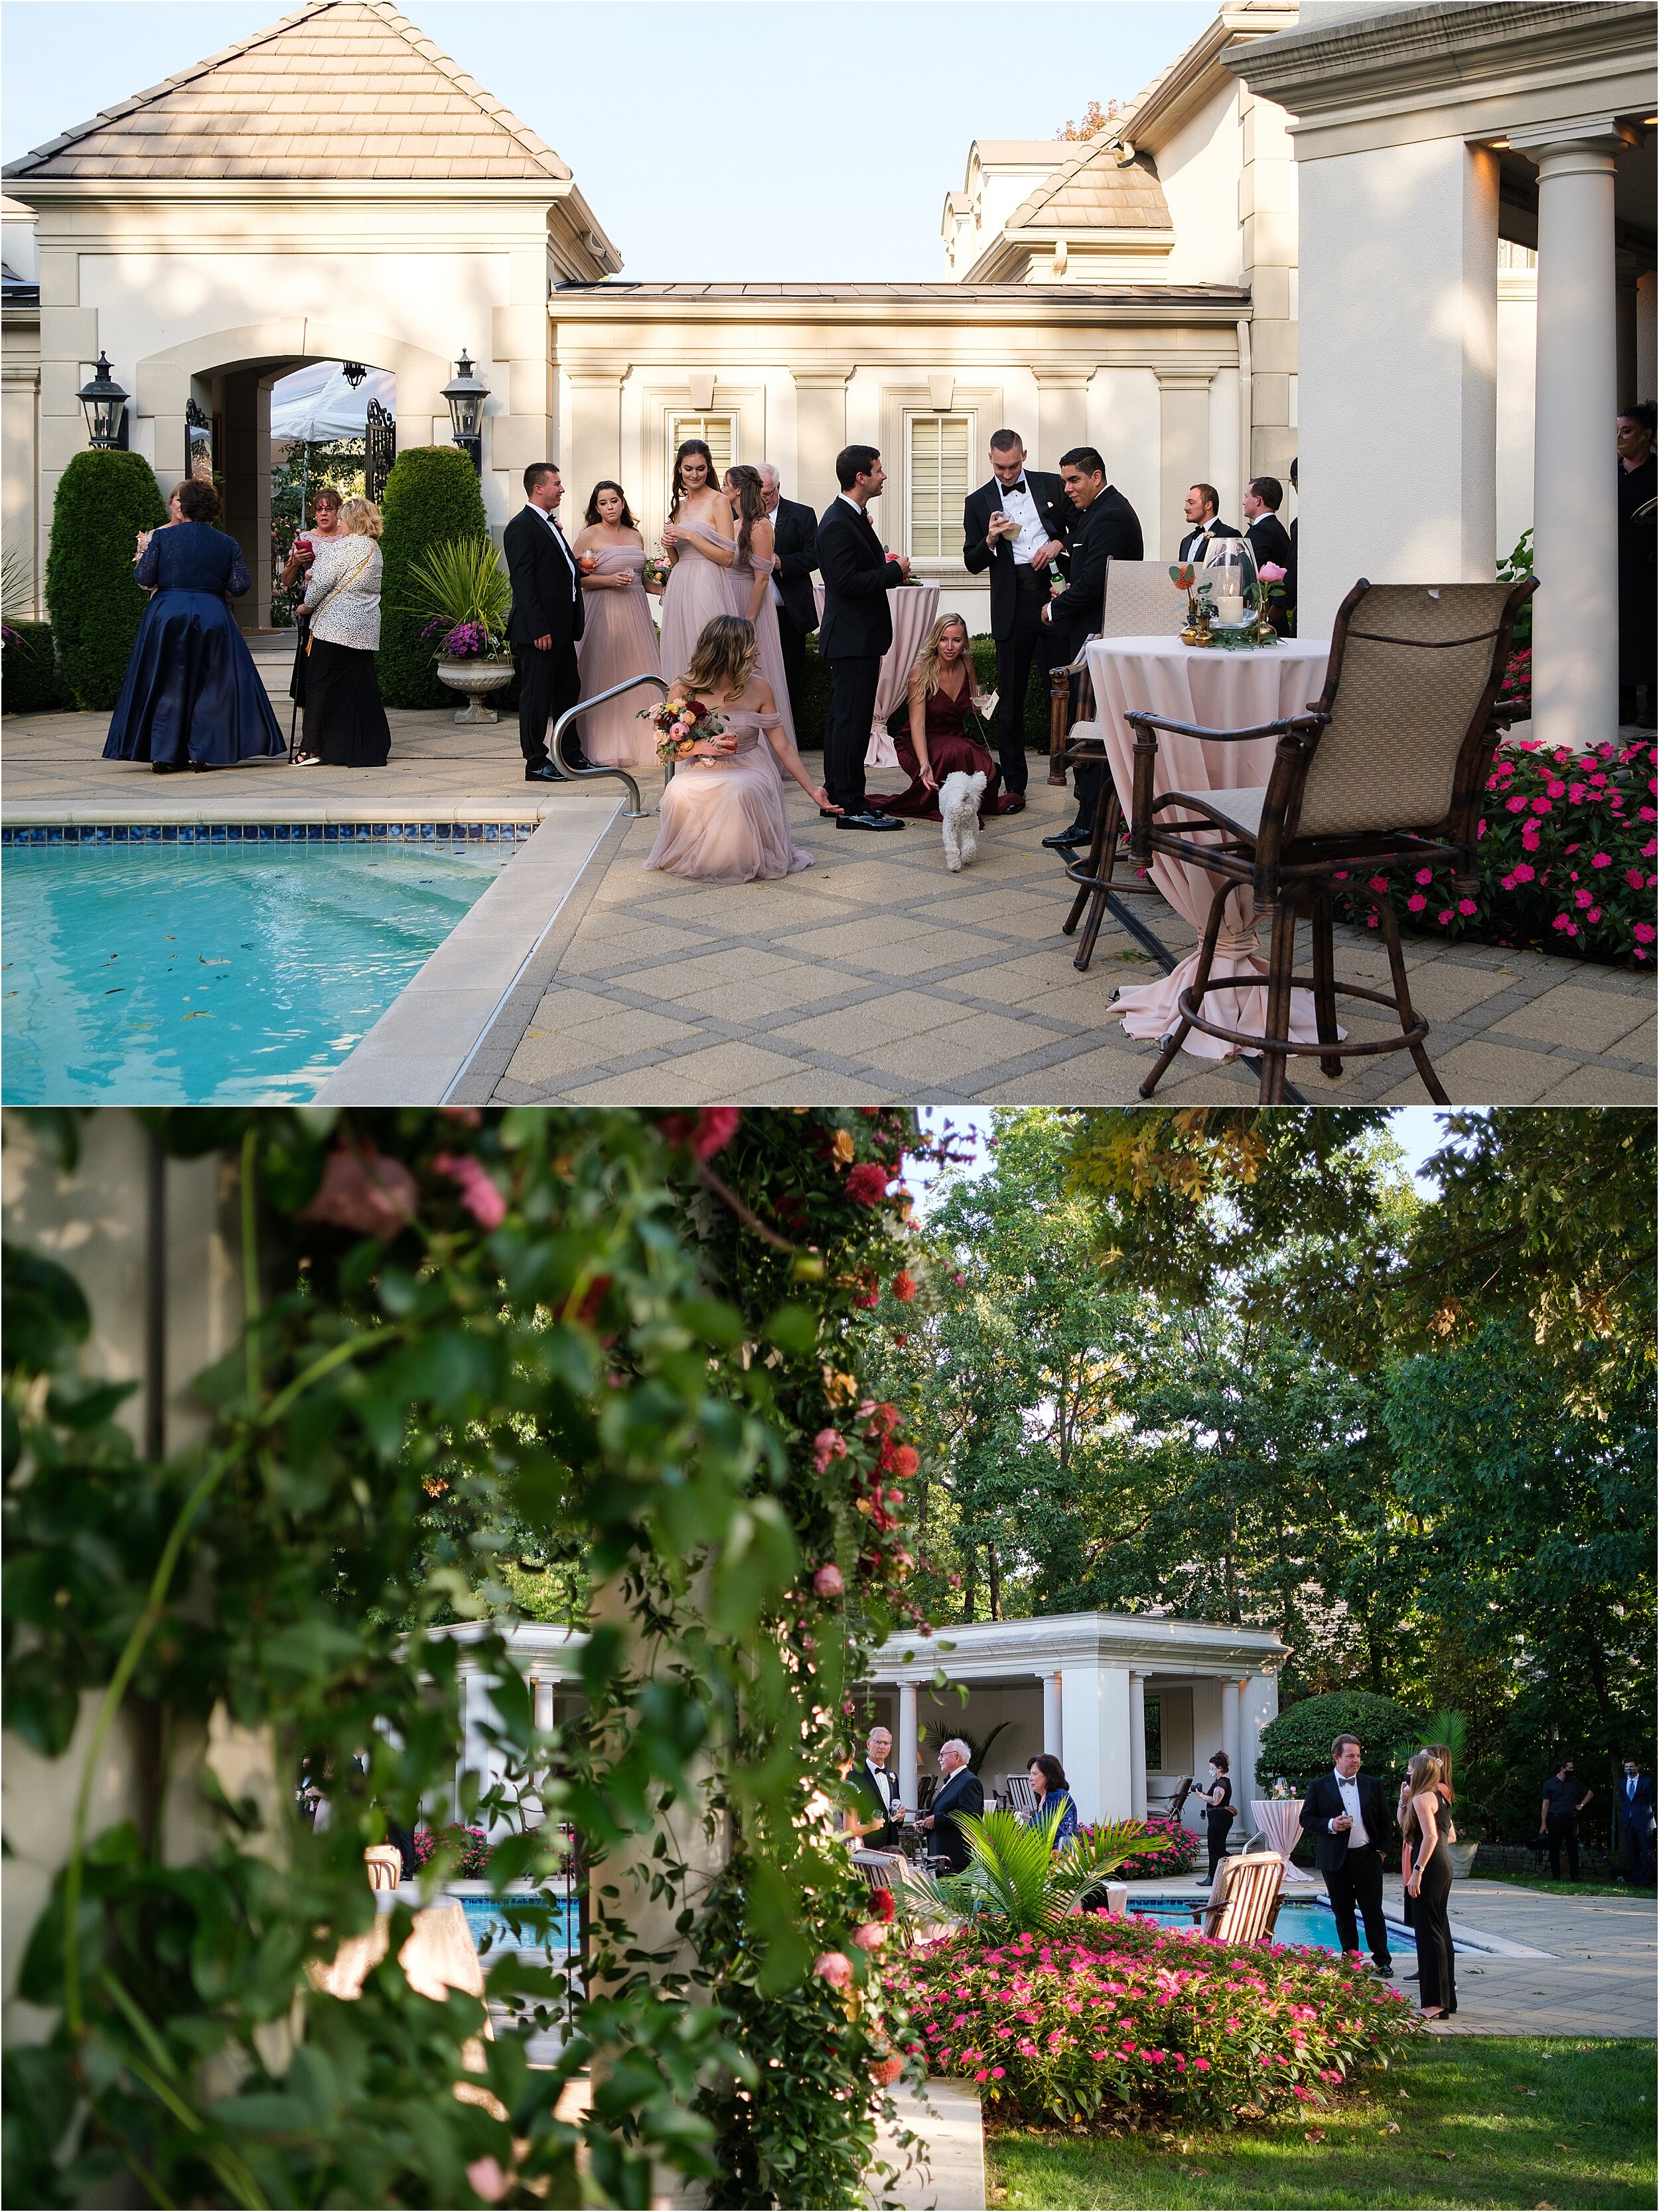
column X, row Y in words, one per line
column 915, row 608
column 1279, row 1820
column 1224, row 691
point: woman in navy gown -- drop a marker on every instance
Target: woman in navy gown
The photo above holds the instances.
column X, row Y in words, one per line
column 192, row 698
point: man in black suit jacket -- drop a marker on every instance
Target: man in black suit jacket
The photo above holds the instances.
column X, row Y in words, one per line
column 1269, row 539
column 877, row 1785
column 856, row 630
column 545, row 622
column 1017, row 526
column 1345, row 1814
column 1203, row 510
column 794, row 556
column 1632, row 1800
column 960, row 1791
column 1107, row 529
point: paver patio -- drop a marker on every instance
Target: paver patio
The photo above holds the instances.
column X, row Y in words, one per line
column 874, row 976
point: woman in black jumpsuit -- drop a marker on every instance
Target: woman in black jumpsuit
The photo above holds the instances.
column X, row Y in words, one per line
column 1218, row 1810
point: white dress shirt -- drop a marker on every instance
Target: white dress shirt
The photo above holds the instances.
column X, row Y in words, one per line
column 1358, row 1838
column 777, row 596
column 1017, row 502
column 884, row 1786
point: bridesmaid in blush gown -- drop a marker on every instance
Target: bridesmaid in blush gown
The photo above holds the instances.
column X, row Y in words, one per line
column 721, row 818
column 751, row 581
column 619, row 638
column 698, row 542
column 937, row 744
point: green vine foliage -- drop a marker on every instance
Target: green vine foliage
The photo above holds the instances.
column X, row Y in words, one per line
column 638, row 1337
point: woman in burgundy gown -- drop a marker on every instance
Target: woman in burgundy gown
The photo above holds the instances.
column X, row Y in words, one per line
column 937, row 743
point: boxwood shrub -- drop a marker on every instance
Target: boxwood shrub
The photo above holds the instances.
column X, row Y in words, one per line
column 30, row 685
column 431, row 495
column 1297, row 1745
column 104, row 499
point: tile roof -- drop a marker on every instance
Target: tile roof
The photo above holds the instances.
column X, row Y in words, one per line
column 341, row 89
column 1090, row 192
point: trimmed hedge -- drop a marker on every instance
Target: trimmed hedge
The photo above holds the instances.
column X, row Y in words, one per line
column 30, row 685
column 1297, row 1745
column 432, row 495
column 104, row 500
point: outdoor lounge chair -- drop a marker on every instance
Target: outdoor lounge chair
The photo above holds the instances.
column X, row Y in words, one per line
column 1386, row 770
column 1169, row 1809
column 1243, row 1906
column 1140, row 602
column 1017, row 1793
column 384, row 1863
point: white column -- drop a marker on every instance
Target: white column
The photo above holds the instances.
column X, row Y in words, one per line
column 908, row 1763
column 1575, row 681
column 1137, row 1746
column 1053, row 1722
column 1230, row 1732
column 1096, row 1702
column 1399, row 333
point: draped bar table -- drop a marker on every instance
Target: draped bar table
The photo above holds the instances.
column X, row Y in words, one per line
column 1279, row 1820
column 1223, row 690
column 914, row 608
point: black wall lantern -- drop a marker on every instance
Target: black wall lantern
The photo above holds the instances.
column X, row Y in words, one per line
column 105, row 405
column 466, row 394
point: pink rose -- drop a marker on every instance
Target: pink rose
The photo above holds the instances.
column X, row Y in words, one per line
column 869, row 1938
column 827, row 1580
column 834, row 1967
column 1271, row 573
column 479, row 1195
column 364, row 1191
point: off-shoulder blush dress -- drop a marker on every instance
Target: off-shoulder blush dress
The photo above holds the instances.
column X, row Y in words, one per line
column 723, row 820
column 740, row 582
column 618, row 640
column 698, row 590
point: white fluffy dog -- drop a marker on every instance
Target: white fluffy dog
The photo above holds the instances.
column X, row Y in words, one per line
column 958, row 807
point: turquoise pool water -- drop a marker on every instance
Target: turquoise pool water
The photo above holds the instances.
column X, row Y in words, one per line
column 484, row 1918
column 1303, row 1921
column 232, row 974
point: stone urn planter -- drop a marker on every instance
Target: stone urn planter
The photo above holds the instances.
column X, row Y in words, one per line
column 479, row 679
column 1462, row 1859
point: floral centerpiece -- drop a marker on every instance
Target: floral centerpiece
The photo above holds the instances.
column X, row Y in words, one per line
column 680, row 724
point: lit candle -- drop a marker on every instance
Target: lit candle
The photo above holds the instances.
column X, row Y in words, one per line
column 1230, row 609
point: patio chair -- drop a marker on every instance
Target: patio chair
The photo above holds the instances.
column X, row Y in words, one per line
column 1140, row 602
column 1169, row 1809
column 1243, row 1906
column 1017, row 1793
column 1386, row 770
column 385, row 1864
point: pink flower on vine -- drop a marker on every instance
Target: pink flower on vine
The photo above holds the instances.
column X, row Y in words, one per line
column 834, row 1967
column 365, row 1191
column 866, row 1182
column 709, row 1131
column 827, row 1580
column 826, row 1446
column 479, row 1194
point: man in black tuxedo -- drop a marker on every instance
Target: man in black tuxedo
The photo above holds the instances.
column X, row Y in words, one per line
column 545, row 622
column 1345, row 1815
column 1107, row 529
column 856, row 630
column 1269, row 539
column 877, row 1785
column 1202, row 511
column 1290, row 575
column 960, row 1791
column 1633, row 1802
column 1017, row 526
column 794, row 556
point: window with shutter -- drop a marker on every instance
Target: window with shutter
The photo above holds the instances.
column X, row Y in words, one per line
column 936, row 477
column 715, row 430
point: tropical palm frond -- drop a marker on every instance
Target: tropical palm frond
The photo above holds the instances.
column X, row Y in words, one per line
column 1017, row 1876
column 16, row 584
column 461, row 580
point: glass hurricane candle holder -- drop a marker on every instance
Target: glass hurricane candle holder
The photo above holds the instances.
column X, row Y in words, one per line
column 1230, row 571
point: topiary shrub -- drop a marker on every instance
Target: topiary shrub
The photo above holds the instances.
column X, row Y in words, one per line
column 1297, row 1745
column 432, row 496
column 104, row 500
column 31, row 674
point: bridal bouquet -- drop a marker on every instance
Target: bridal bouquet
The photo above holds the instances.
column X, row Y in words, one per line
column 679, row 723
column 656, row 571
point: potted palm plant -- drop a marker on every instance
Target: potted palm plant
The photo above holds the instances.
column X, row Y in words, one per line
column 1016, row 1878
column 463, row 588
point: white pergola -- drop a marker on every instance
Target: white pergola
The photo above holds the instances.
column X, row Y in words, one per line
column 1078, row 1685
column 1423, row 135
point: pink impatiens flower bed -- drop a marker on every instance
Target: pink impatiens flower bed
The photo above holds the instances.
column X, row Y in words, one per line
column 1171, row 1848
column 1125, row 2022
column 1565, row 859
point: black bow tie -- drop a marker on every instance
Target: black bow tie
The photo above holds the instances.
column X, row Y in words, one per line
column 1020, row 486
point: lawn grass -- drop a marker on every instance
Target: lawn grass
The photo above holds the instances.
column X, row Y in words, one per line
column 1549, row 1887
column 1494, row 2121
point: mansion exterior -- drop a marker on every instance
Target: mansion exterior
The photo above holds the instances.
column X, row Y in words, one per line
column 1138, row 292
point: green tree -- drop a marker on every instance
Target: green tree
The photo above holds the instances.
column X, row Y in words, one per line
column 432, row 496
column 104, row 500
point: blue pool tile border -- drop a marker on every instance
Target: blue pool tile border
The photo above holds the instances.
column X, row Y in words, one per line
column 266, row 833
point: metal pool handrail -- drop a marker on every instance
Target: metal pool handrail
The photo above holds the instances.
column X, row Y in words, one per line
column 573, row 714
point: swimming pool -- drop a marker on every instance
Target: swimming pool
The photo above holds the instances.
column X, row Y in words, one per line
column 486, row 1919
column 217, row 968
column 1305, row 1922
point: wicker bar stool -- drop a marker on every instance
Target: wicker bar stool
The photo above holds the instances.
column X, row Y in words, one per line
column 1387, row 769
column 1140, row 602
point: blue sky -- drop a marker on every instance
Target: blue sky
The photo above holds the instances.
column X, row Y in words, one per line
column 830, row 130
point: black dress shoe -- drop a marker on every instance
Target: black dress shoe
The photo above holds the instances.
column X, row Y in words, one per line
column 545, row 774
column 868, row 819
column 1067, row 841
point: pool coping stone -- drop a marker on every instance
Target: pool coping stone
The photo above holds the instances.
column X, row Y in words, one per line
column 430, row 1034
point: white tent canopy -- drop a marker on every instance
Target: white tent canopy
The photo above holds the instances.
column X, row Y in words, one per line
column 315, row 403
